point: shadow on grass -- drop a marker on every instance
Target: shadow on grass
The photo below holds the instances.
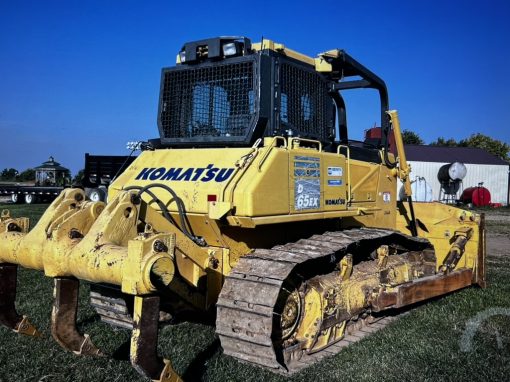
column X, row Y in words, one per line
column 122, row 352
column 195, row 370
column 197, row 367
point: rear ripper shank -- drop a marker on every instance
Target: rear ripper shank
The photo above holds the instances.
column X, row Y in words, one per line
column 253, row 204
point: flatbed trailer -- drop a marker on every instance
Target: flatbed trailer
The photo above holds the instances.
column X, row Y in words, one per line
column 30, row 194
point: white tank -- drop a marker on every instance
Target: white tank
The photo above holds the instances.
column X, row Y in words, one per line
column 457, row 171
column 422, row 191
column 452, row 171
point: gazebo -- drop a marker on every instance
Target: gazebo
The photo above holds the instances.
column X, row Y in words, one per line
column 51, row 173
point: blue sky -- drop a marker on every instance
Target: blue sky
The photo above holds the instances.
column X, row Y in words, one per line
column 83, row 76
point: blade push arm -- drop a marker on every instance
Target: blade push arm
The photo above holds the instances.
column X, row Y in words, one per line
column 403, row 169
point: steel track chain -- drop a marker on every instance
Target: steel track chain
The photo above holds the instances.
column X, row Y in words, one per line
column 245, row 307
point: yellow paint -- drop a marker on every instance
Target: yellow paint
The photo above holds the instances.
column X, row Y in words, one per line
column 404, row 169
column 137, row 314
column 74, row 238
column 319, row 63
column 169, row 374
column 310, row 323
column 8, row 223
column 27, row 328
column 260, row 192
column 441, row 222
column 254, row 193
column 280, row 48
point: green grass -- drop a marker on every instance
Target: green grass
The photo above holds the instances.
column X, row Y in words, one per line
column 421, row 346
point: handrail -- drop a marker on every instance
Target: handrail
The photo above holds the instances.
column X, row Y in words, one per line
column 271, row 145
column 240, row 168
column 348, row 162
column 297, row 139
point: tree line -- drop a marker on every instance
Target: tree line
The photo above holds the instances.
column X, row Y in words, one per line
column 494, row 146
column 13, row 175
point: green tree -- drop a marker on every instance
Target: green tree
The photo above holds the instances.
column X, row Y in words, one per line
column 26, row 176
column 491, row 145
column 63, row 179
column 445, row 142
column 481, row 141
column 8, row 174
column 77, row 178
column 411, row 138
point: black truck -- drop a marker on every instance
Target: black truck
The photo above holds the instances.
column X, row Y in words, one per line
column 99, row 172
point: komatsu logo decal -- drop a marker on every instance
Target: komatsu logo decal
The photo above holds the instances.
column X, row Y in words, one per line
column 202, row 174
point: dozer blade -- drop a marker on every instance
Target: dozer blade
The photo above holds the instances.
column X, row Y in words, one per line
column 8, row 315
column 144, row 341
column 63, row 318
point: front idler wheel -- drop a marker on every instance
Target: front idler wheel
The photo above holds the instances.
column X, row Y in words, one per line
column 291, row 314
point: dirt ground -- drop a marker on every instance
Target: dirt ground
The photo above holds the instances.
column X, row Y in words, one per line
column 498, row 244
column 498, row 232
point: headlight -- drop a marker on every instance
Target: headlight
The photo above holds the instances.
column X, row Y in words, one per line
column 230, row 49
column 182, row 56
column 133, row 145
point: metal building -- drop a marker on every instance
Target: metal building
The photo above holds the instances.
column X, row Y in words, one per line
column 482, row 167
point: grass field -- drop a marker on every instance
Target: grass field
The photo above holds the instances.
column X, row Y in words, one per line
column 424, row 345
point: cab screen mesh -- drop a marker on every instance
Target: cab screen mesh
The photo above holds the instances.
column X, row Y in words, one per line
column 213, row 101
column 305, row 102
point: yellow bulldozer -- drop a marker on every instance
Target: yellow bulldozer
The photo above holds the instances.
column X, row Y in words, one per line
column 254, row 207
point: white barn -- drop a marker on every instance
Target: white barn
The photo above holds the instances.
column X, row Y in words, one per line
column 481, row 167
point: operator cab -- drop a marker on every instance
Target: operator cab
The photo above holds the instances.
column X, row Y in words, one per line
column 226, row 91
